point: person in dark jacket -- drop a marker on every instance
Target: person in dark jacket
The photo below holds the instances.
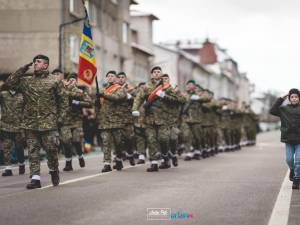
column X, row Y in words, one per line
column 290, row 131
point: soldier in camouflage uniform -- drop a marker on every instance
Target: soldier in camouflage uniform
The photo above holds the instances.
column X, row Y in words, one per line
column 11, row 116
column 71, row 132
column 193, row 118
column 157, row 133
column 125, row 114
column 225, row 123
column 42, row 101
column 209, row 125
column 140, row 131
column 236, row 118
column 172, row 114
column 110, row 120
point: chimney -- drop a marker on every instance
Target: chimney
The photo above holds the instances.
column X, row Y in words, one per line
column 207, row 53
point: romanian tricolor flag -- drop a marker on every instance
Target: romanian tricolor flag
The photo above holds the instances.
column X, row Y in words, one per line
column 87, row 59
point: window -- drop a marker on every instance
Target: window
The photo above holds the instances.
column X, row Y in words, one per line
column 92, row 12
column 125, row 32
column 74, row 48
column 75, row 7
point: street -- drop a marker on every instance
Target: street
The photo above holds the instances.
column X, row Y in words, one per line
column 231, row 188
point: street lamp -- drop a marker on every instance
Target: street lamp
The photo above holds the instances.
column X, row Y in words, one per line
column 61, row 40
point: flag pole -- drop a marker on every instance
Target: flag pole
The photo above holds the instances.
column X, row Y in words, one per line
column 88, row 21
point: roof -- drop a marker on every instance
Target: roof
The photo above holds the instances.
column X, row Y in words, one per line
column 143, row 14
column 142, row 49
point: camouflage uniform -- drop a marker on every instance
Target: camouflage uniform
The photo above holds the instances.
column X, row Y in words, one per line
column 128, row 130
column 11, row 116
column 157, row 132
column 193, row 119
column 172, row 113
column 225, row 123
column 71, row 132
column 210, row 127
column 110, row 122
column 42, row 104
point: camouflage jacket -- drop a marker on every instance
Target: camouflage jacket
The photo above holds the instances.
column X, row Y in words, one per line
column 192, row 110
column 109, row 115
column 173, row 109
column 42, row 98
column 12, row 105
column 125, row 106
column 73, row 112
column 154, row 111
column 225, row 118
column 210, row 117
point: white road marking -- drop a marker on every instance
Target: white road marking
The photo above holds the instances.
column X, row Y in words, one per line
column 88, row 177
column 280, row 213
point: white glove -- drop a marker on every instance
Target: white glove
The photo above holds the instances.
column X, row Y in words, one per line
column 135, row 113
column 75, row 102
column 129, row 96
column 224, row 107
column 161, row 94
column 195, row 97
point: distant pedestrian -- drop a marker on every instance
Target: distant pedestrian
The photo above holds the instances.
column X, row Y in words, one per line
column 290, row 131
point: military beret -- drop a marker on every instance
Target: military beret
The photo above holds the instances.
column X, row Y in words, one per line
column 72, row 75
column 112, row 72
column 155, row 68
column 121, row 74
column 165, row 75
column 191, row 81
column 57, row 70
column 44, row 57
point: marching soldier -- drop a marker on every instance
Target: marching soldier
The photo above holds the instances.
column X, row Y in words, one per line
column 126, row 116
column 71, row 132
column 157, row 133
column 42, row 105
column 12, row 105
column 193, row 118
column 172, row 115
column 140, row 132
column 110, row 122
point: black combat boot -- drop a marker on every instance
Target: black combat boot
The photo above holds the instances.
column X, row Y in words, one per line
column 295, row 184
column 7, row 173
column 131, row 161
column 68, row 166
column 21, row 169
column 119, row 165
column 55, row 177
column 153, row 168
column 292, row 174
column 175, row 161
column 34, row 184
column 106, row 168
column 165, row 164
column 81, row 162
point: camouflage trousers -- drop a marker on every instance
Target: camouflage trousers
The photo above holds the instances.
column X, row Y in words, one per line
column 41, row 139
column 111, row 140
column 128, row 139
column 227, row 136
column 211, row 136
column 8, row 139
column 141, row 140
column 196, row 137
column 174, row 135
column 71, row 137
column 158, row 137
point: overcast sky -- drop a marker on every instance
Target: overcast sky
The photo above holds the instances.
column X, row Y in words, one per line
column 261, row 35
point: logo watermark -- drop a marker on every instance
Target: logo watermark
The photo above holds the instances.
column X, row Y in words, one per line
column 166, row 214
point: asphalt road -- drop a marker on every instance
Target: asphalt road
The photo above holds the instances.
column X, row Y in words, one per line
column 231, row 188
